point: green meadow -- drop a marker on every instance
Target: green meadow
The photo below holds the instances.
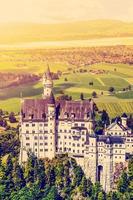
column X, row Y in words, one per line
column 75, row 83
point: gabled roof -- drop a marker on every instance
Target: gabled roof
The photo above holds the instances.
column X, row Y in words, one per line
column 111, row 126
column 124, row 115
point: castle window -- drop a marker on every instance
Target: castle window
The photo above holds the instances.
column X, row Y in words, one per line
column 65, row 131
column 60, row 148
column 78, row 145
column 83, row 139
column 40, row 124
column 115, row 145
column 41, row 138
column 76, row 124
column 115, row 133
column 119, row 156
column 73, row 131
column 82, row 132
column 69, row 143
column 77, row 151
column 58, row 136
column 35, row 143
column 27, row 131
column 51, row 131
column 69, row 149
column 69, row 137
column 115, row 156
column 41, row 131
column 45, row 131
column 45, row 124
column 27, row 125
column 73, row 151
column 27, row 144
column 45, row 143
column 35, row 137
column 65, row 137
column 45, row 149
column 119, row 133
column 82, row 145
column 82, row 125
column 41, row 150
column 33, row 124
column 60, row 130
column 33, row 131
column 65, row 149
column 41, row 144
column 69, row 131
column 27, row 138
column 45, row 137
column 120, row 145
column 82, row 151
column 35, row 149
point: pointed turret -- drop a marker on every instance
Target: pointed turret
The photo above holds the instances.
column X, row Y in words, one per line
column 48, row 73
column 47, row 83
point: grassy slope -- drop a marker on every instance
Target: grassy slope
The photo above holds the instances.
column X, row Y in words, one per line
column 78, row 83
column 12, row 33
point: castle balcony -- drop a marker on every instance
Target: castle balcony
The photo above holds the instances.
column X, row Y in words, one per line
column 77, row 132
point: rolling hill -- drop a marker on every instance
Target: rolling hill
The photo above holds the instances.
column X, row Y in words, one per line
column 29, row 32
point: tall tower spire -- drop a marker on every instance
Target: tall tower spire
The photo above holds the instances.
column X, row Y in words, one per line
column 47, row 83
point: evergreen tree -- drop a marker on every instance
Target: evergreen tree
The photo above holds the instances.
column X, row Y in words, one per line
column 41, row 175
column 30, row 171
column 78, row 174
column 96, row 189
column 83, row 186
column 105, row 118
column 52, row 195
column 18, row 177
column 101, row 196
column 123, row 183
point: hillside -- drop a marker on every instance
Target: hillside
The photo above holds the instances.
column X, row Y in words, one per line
column 28, row 32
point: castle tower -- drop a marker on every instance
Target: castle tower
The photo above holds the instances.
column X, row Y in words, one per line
column 47, row 83
column 52, row 126
column 108, row 166
column 124, row 120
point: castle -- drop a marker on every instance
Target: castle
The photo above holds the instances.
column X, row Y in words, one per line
column 49, row 127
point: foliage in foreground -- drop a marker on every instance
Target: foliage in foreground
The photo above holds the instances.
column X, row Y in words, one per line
column 59, row 179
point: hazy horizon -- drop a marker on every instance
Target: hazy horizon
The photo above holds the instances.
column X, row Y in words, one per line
column 62, row 11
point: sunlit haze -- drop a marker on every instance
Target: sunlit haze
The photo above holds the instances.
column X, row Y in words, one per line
column 51, row 11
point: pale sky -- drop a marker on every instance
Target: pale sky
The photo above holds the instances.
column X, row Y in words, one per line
column 50, row 11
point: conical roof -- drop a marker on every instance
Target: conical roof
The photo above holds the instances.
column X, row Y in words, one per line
column 48, row 73
column 124, row 115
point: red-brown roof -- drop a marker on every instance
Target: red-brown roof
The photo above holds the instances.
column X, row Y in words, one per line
column 37, row 109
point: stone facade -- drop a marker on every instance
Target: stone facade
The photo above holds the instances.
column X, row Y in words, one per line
column 50, row 127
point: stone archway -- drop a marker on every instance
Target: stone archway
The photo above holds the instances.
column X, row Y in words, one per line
column 100, row 173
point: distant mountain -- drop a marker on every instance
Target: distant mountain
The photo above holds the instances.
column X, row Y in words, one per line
column 29, row 32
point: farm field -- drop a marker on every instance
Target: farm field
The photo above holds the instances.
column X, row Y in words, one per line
column 72, row 82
